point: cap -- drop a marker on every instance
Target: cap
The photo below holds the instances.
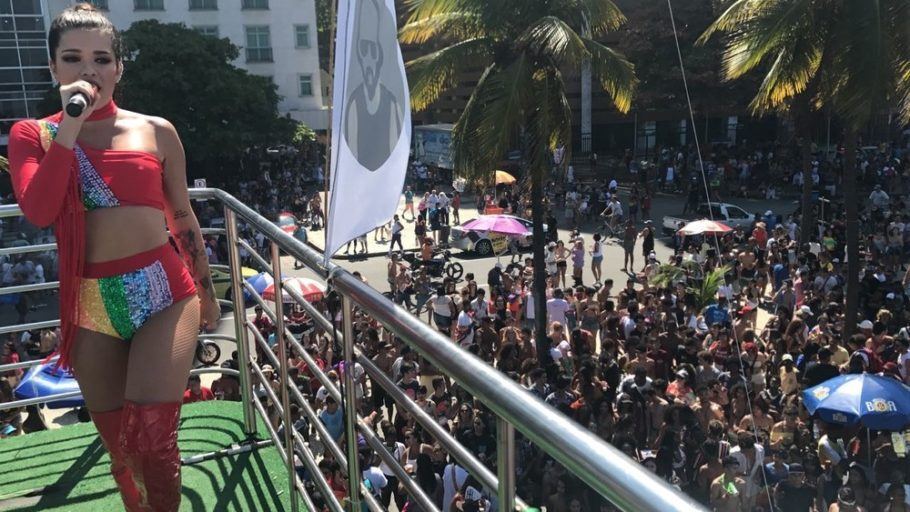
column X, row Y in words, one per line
column 865, row 324
column 268, row 368
column 498, row 265
column 769, row 212
column 682, row 374
column 796, row 467
column 551, row 244
column 890, row 296
column 786, row 357
column 806, row 310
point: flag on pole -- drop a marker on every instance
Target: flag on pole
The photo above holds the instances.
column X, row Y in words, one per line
column 371, row 121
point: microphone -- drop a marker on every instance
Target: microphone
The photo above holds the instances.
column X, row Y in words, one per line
column 76, row 104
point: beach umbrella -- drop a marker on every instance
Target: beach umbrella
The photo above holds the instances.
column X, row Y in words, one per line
column 45, row 380
column 504, row 178
column 260, row 281
column 705, row 227
column 310, row 289
column 503, row 224
column 874, row 401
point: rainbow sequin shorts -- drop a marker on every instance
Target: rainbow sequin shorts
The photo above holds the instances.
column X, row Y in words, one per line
column 117, row 297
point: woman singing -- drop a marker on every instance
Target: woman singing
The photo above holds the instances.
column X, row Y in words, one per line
column 130, row 306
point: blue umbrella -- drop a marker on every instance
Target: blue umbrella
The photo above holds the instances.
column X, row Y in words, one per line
column 44, row 380
column 876, row 402
column 260, row 281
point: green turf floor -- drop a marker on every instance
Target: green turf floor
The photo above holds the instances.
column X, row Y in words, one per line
column 72, row 466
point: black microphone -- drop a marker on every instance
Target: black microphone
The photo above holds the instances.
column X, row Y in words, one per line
column 76, row 104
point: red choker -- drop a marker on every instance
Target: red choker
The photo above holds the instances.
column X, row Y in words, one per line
column 108, row 110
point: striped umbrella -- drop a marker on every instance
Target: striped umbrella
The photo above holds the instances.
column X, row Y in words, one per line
column 705, row 227
column 310, row 289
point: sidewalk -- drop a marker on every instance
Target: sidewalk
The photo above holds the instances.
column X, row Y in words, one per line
column 317, row 238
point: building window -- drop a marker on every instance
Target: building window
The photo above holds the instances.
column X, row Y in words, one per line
column 101, row 4
column 255, row 4
column 203, row 5
column 148, row 5
column 258, row 43
column 305, row 85
column 207, row 30
column 302, row 36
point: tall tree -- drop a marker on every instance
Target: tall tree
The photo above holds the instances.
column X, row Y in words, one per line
column 524, row 47
column 851, row 56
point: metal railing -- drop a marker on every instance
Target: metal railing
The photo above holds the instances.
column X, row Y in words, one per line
column 602, row 467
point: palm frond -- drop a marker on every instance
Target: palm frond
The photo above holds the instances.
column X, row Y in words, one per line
column 667, row 275
column 789, row 75
column 554, row 39
column 614, row 72
column 465, row 153
column 762, row 31
column 489, row 133
column 4, row 164
column 432, row 74
column 450, row 26
column 600, row 16
column 731, row 19
column 704, row 293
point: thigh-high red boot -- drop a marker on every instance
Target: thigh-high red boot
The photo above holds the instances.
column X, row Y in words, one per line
column 108, row 425
column 149, row 444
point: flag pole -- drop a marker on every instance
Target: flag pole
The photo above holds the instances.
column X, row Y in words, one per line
column 328, row 146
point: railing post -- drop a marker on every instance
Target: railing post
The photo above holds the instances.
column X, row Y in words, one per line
column 283, row 368
column 350, row 405
column 243, row 347
column 505, row 464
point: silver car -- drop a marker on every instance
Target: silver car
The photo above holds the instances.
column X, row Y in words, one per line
column 479, row 241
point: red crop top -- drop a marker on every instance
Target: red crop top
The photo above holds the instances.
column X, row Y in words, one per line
column 50, row 182
column 108, row 177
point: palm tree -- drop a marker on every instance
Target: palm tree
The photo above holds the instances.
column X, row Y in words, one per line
column 523, row 48
column 850, row 56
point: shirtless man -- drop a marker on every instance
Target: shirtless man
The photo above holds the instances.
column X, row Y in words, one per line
column 395, row 266
column 727, row 489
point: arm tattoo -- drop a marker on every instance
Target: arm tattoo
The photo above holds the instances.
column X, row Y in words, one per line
column 179, row 214
column 195, row 259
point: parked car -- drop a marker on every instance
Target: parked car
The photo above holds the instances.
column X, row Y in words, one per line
column 480, row 241
column 729, row 214
column 221, row 279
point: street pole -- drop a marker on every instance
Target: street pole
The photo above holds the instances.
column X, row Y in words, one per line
column 350, row 405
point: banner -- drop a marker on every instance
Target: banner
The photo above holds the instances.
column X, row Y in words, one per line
column 371, row 121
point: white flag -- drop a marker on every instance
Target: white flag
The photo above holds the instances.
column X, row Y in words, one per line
column 371, row 121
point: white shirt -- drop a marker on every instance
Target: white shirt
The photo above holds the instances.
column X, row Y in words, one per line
column 481, row 308
column 465, row 321
column 556, row 310
column 376, row 477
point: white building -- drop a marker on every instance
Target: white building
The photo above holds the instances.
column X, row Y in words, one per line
column 277, row 38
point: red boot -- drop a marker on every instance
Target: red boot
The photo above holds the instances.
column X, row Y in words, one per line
column 108, row 425
column 149, row 444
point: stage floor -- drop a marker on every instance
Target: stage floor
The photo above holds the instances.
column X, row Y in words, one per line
column 67, row 468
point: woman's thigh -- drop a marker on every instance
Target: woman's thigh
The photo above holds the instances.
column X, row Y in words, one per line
column 100, row 365
column 161, row 354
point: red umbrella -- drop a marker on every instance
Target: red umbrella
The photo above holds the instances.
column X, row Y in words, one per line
column 705, row 227
column 310, row 289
